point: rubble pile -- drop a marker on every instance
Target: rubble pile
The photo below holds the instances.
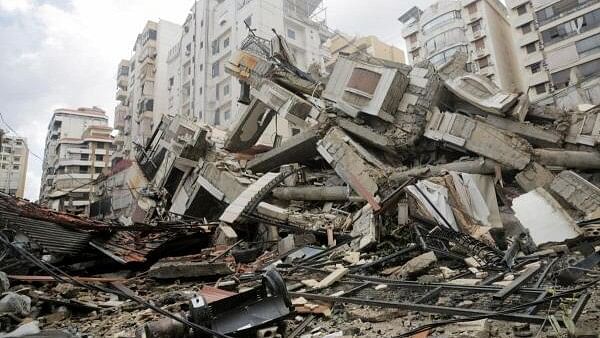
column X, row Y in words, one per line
column 407, row 201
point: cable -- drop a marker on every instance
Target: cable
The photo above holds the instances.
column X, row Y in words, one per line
column 434, row 325
column 66, row 278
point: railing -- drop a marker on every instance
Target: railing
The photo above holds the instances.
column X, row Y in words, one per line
column 564, row 13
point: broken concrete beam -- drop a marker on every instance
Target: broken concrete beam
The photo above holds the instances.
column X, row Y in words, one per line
column 577, row 191
column 358, row 87
column 186, row 269
column 236, row 209
column 534, row 176
column 225, row 235
column 482, row 93
column 585, row 128
column 310, row 193
column 350, row 164
column 298, row 148
column 568, row 159
column 287, row 104
column 332, row 278
column 480, row 138
column 368, row 136
column 536, row 135
column 219, row 182
column 544, row 217
column 249, row 127
column 413, row 267
column 273, row 211
column 481, row 166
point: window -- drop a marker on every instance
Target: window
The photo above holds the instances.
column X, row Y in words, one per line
column 412, row 38
column 479, row 44
column 200, row 90
column 85, row 157
column 226, row 42
column 440, row 21
column 476, row 26
column 215, row 47
column 3, row 166
column 217, row 92
column 83, row 169
column 472, row 8
column 217, row 118
column 526, row 28
column 99, row 158
column 291, row 34
column 535, row 68
column 540, row 89
column 415, row 55
column 171, row 82
column 588, row 46
column 16, row 167
column 17, row 159
column 521, row 9
column 484, row 62
column 201, row 44
column 226, row 90
column 215, row 69
column 531, row 48
column 226, row 115
column 364, row 80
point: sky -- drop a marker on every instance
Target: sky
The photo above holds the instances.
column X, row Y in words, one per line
column 64, row 53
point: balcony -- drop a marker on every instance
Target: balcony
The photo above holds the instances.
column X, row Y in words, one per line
column 528, row 38
column 566, row 12
column 515, row 3
column 533, row 58
column 122, row 81
column 520, row 20
column 539, row 77
column 478, row 35
column 481, row 52
column 121, row 94
column 410, row 29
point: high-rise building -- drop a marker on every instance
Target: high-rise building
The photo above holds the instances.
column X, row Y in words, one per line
column 78, row 149
column 198, row 85
column 13, row 164
column 559, row 49
column 479, row 28
column 369, row 45
column 142, row 86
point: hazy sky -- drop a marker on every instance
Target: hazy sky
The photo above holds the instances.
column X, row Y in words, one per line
column 64, row 53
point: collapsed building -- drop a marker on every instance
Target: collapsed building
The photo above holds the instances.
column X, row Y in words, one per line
column 411, row 188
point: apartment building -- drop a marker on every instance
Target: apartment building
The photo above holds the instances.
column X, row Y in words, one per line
column 78, row 148
column 142, row 86
column 198, row 85
column 559, row 49
column 13, row 164
column 479, row 28
column 369, row 45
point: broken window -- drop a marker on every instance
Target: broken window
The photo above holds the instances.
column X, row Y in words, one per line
column 588, row 46
column 521, row 9
column 415, row 54
column 215, row 69
column 364, row 80
column 215, row 47
column 540, row 89
column 291, row 34
column 531, row 48
column 476, row 26
column 484, row 62
column 472, row 8
column 536, row 67
column 479, row 44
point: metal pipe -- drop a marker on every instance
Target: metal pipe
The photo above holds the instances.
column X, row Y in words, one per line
column 481, row 166
column 311, row 193
column 568, row 159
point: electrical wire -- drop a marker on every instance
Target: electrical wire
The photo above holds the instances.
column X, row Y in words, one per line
column 63, row 277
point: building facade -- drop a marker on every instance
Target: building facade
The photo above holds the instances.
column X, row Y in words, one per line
column 369, row 45
column 199, row 87
column 142, row 86
column 13, row 164
column 78, row 149
column 559, row 49
column 479, row 28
